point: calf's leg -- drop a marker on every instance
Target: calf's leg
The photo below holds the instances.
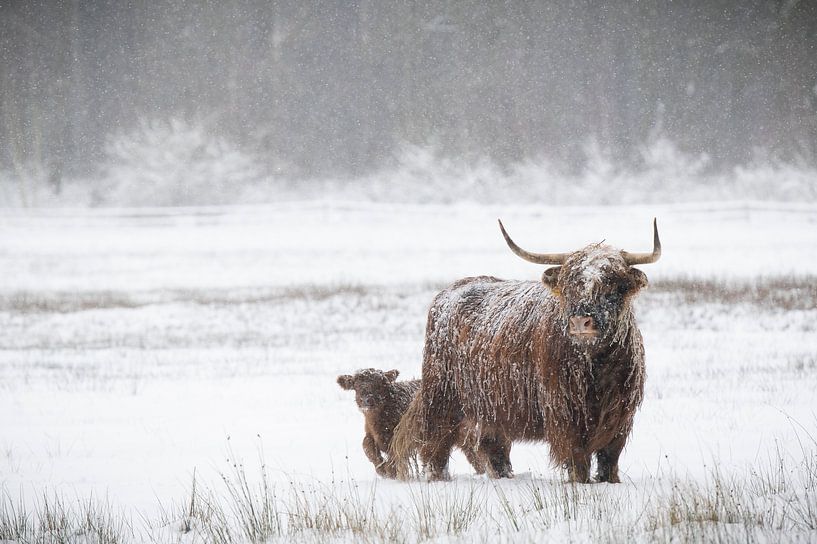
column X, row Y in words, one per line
column 382, row 467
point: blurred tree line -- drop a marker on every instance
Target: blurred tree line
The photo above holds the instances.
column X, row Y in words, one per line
column 336, row 86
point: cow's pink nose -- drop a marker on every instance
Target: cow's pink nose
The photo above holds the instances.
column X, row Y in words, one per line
column 582, row 324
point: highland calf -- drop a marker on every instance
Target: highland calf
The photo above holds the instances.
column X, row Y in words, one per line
column 383, row 401
column 560, row 360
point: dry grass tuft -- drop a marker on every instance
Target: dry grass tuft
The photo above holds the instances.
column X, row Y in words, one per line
column 784, row 293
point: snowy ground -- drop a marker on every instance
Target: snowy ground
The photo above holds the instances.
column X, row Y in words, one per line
column 139, row 346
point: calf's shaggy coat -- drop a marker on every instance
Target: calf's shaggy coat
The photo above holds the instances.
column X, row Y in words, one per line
column 383, row 401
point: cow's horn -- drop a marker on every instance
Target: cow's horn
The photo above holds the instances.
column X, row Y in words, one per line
column 646, row 258
column 538, row 258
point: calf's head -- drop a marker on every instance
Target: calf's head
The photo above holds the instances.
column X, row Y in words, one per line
column 594, row 285
column 371, row 387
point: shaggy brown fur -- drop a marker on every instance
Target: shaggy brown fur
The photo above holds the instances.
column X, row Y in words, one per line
column 382, row 400
column 499, row 359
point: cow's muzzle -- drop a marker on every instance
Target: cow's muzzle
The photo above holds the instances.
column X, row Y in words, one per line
column 582, row 326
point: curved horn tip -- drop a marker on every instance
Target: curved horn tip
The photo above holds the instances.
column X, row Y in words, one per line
column 504, row 232
column 656, row 239
column 646, row 258
column 537, row 258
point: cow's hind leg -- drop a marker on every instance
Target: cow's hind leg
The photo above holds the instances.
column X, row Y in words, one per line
column 497, row 451
column 441, row 432
column 435, row 453
column 607, row 459
column 468, row 442
column 474, row 457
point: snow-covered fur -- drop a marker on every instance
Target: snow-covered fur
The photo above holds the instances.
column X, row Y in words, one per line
column 383, row 400
column 499, row 361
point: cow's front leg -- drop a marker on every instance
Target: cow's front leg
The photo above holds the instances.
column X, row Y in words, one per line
column 578, row 468
column 607, row 459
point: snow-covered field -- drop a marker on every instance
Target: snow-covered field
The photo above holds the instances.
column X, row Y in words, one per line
column 138, row 347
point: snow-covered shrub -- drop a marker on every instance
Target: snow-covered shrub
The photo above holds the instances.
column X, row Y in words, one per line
column 601, row 181
column 663, row 157
column 668, row 171
column 781, row 182
column 24, row 186
column 424, row 175
column 173, row 163
column 664, row 173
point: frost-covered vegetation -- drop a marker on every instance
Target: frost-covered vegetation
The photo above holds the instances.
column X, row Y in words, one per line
column 171, row 163
column 165, row 163
column 169, row 375
column 774, row 502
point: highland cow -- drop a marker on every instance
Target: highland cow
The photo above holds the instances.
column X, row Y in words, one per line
column 560, row 360
column 383, row 400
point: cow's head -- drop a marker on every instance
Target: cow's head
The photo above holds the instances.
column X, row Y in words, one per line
column 594, row 285
column 371, row 387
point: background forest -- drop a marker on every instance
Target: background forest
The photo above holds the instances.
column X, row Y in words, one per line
column 175, row 102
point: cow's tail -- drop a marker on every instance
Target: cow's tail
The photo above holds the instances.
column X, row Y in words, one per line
column 406, row 439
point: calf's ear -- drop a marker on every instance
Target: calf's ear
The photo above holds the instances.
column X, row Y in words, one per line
column 346, row 382
column 550, row 277
column 391, row 375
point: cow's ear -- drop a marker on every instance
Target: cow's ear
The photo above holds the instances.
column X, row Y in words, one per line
column 346, row 382
column 550, row 277
column 638, row 280
column 391, row 375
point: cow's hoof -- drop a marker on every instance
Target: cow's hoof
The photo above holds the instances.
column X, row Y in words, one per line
column 505, row 472
column 438, row 476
